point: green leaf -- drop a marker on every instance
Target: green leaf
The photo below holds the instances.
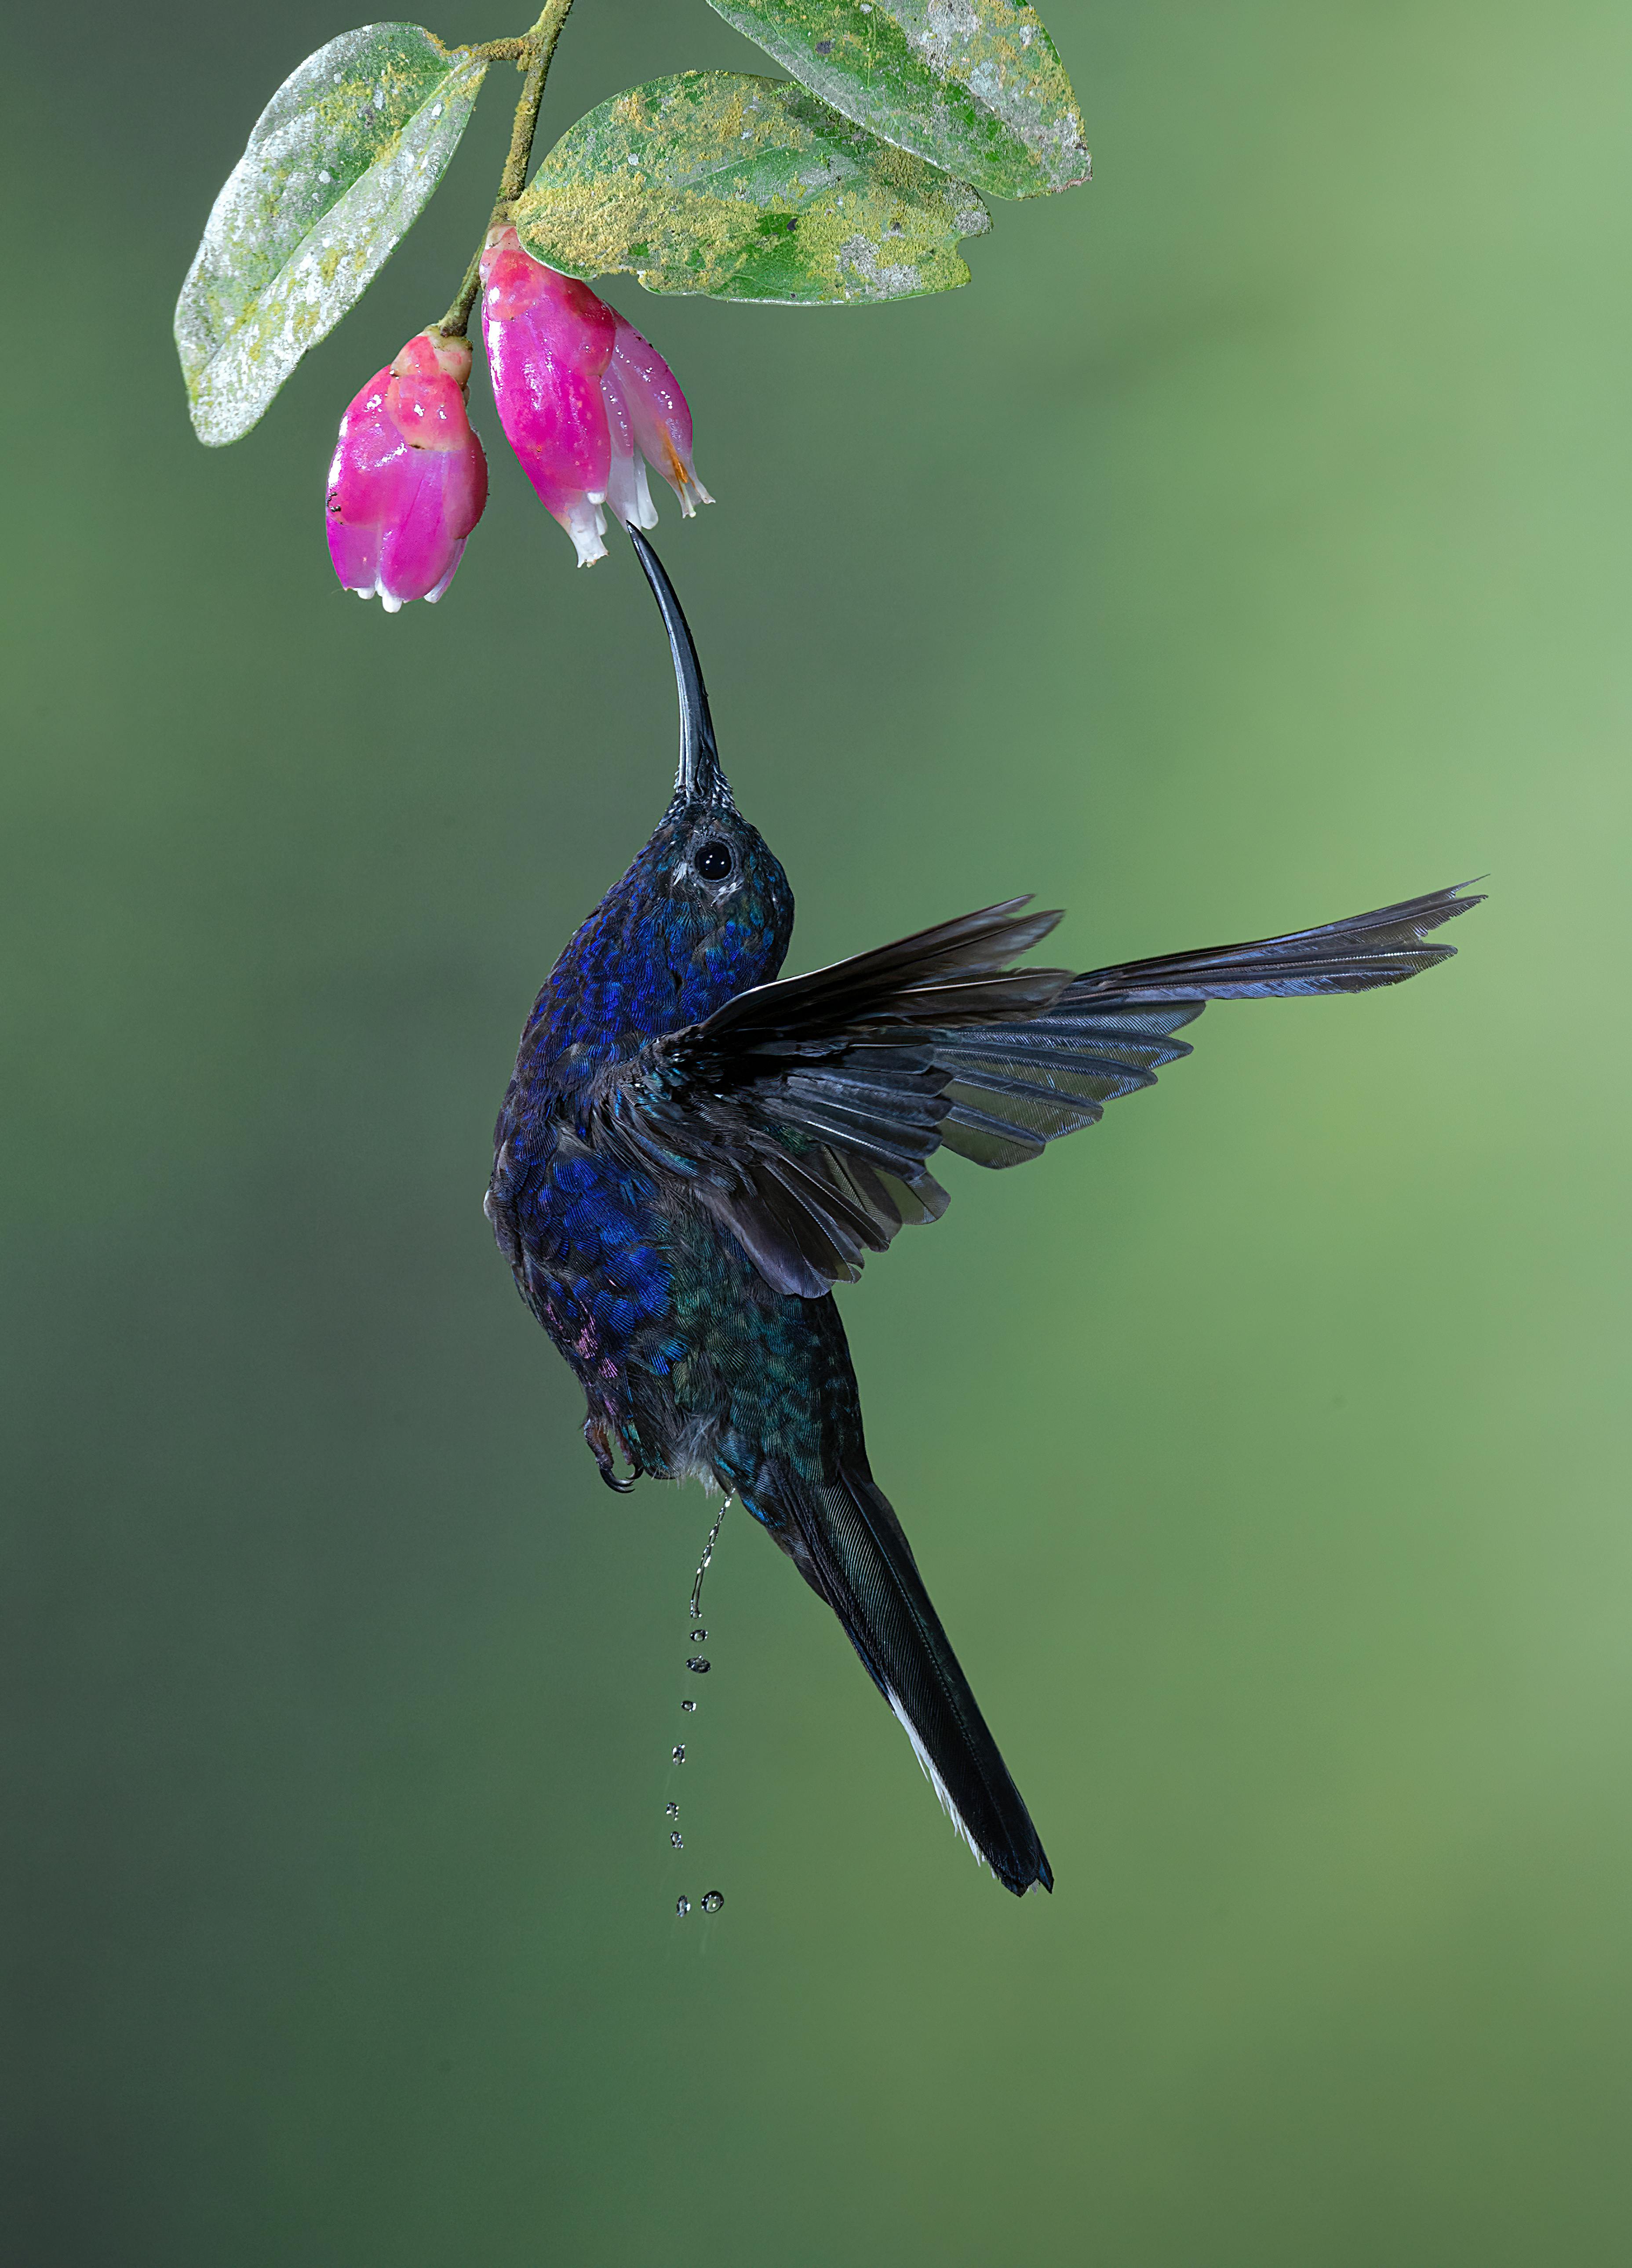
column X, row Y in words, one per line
column 745, row 189
column 340, row 165
column 975, row 86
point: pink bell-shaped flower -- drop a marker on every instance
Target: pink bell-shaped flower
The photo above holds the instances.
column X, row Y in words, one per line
column 583, row 399
column 660, row 420
column 408, row 479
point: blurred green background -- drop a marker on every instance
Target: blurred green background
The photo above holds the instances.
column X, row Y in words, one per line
column 1248, row 546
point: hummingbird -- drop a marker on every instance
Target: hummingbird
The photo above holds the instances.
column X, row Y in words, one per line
column 693, row 1149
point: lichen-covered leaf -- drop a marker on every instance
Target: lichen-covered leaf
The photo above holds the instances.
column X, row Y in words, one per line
column 338, row 168
column 977, row 86
column 745, row 189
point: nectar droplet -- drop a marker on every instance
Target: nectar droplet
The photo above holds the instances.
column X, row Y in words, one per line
column 688, row 1706
column 682, row 1907
column 677, row 1840
column 671, row 1811
column 712, row 1900
column 680, row 1752
column 697, row 1664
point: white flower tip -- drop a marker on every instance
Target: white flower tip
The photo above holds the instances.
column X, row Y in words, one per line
column 643, row 514
column 453, row 568
column 585, row 526
column 645, row 511
column 688, row 488
column 392, row 606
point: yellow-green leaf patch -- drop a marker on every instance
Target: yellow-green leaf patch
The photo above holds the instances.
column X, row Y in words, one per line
column 975, row 86
column 740, row 187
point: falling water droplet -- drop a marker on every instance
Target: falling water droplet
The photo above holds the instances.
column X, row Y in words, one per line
column 682, row 1907
column 680, row 1752
column 688, row 1706
column 671, row 1811
column 698, row 1634
column 695, row 1663
column 677, row 1840
column 712, row 1900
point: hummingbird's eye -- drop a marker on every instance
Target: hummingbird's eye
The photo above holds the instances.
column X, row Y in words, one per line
column 713, row 859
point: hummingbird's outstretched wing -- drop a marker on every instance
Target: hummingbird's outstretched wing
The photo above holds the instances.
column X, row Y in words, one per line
column 803, row 1112
column 1007, row 1083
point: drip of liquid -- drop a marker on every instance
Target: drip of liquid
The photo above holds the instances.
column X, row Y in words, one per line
column 708, row 1553
column 699, row 1667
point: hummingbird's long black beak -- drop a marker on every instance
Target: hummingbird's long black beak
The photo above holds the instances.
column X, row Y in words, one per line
column 698, row 778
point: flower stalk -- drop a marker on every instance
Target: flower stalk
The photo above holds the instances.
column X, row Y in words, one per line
column 534, row 53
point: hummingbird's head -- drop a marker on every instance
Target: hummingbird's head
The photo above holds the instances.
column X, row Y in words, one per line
column 716, row 892
column 702, row 913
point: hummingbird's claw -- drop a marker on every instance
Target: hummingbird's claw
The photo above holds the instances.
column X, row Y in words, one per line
column 599, row 1434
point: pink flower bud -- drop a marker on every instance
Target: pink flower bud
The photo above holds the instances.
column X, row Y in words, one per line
column 408, row 479
column 582, row 398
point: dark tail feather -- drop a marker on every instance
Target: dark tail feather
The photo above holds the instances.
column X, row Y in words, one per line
column 848, row 1546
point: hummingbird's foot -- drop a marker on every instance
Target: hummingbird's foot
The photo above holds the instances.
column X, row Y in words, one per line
column 599, row 1434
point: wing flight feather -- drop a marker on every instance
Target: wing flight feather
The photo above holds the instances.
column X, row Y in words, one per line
column 803, row 1114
